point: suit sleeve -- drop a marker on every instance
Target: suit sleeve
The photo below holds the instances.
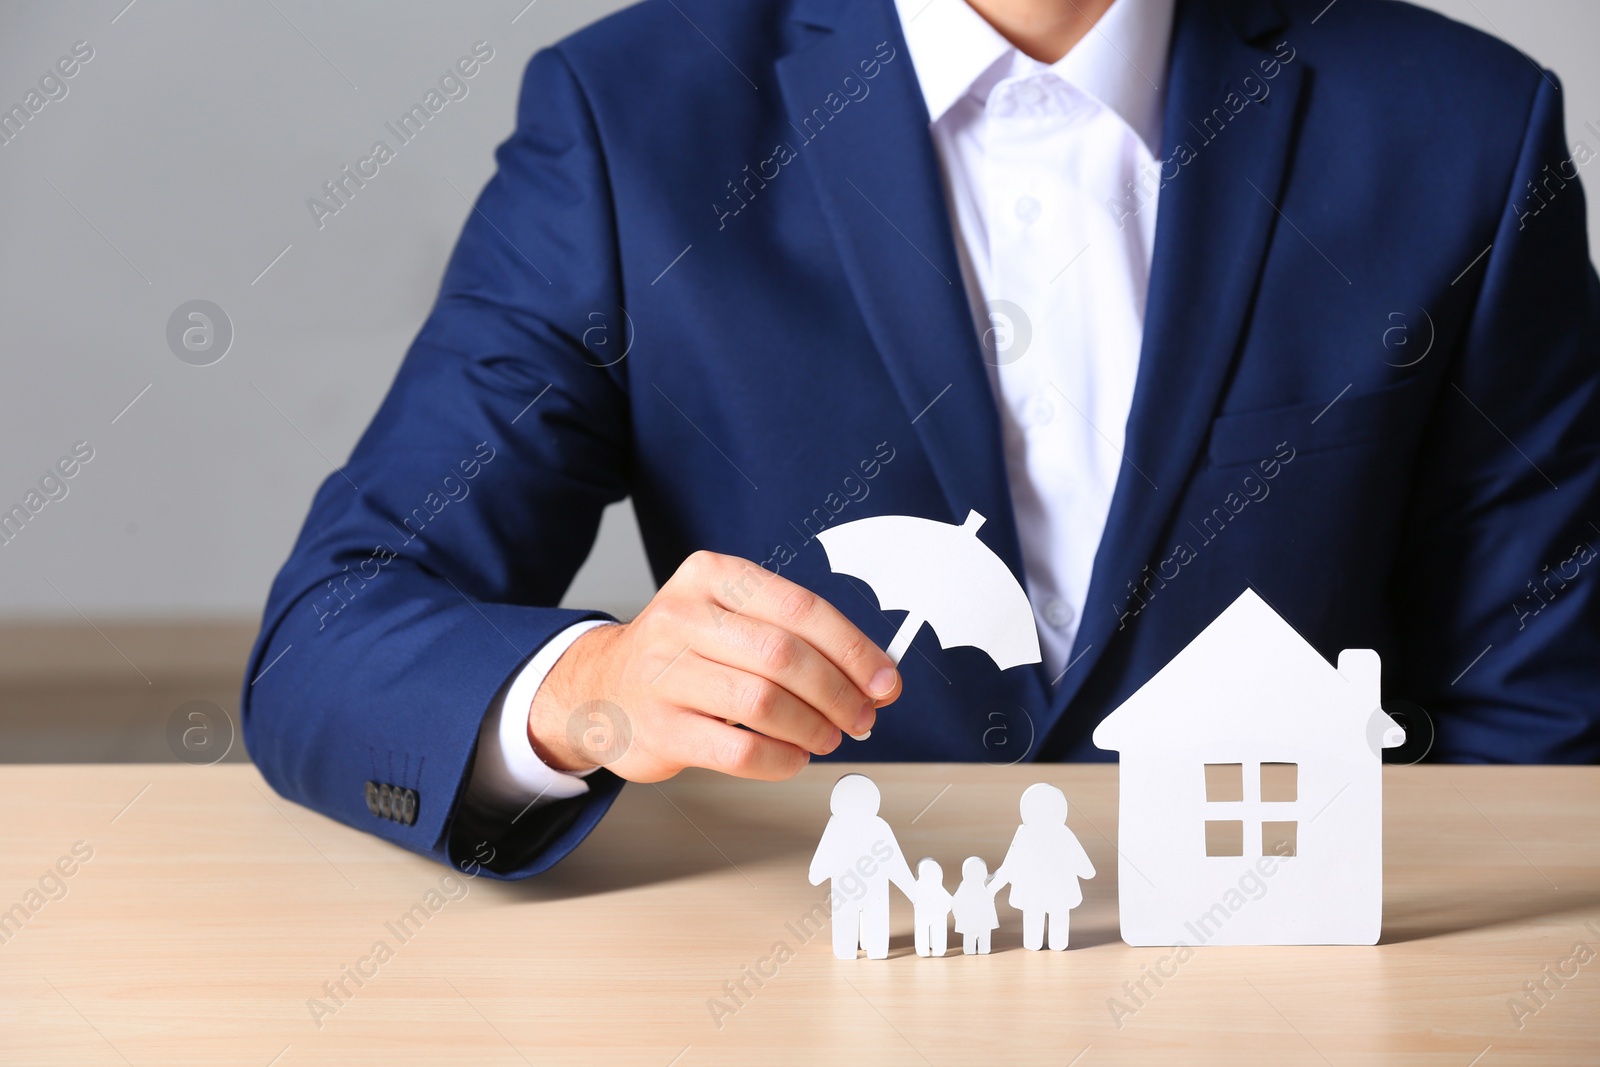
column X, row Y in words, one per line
column 1498, row 593
column 508, row 774
column 428, row 570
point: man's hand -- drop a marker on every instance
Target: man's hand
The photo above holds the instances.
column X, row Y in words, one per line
column 724, row 641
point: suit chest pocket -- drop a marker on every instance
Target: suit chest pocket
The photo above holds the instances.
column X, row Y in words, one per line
column 1351, row 419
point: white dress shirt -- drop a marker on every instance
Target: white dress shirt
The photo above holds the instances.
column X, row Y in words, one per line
column 1034, row 157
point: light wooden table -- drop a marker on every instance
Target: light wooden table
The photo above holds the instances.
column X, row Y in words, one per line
column 212, row 912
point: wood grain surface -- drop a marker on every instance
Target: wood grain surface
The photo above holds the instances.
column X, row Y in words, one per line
column 213, row 921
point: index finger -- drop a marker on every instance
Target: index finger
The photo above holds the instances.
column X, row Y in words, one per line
column 760, row 594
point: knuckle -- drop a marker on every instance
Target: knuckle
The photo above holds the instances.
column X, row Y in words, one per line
column 796, row 605
column 663, row 611
column 736, row 752
column 845, row 698
column 756, row 701
column 779, row 650
column 671, row 621
column 700, row 563
column 793, row 762
column 853, row 651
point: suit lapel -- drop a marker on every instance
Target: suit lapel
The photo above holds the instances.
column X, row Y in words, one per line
column 1215, row 219
column 878, row 181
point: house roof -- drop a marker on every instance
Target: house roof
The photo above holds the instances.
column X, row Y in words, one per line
column 1246, row 672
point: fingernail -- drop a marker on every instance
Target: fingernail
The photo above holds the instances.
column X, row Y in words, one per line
column 882, row 683
column 862, row 737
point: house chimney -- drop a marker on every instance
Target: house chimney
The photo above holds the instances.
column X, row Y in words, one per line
column 1362, row 668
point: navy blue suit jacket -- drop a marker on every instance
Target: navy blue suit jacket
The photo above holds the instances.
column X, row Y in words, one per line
column 1368, row 389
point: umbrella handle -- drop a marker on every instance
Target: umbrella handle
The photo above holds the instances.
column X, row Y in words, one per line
column 903, row 637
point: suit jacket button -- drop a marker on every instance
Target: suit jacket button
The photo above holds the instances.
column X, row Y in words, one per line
column 408, row 807
column 372, row 797
column 385, row 801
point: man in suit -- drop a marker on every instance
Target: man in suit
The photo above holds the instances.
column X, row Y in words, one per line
column 768, row 266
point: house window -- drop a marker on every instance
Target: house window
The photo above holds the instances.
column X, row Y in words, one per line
column 1266, row 804
column 1278, row 838
column 1280, row 782
column 1224, row 837
column 1224, row 782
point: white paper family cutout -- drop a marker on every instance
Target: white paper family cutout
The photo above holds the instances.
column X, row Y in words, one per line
column 1250, row 774
column 1043, row 866
column 1251, row 791
column 974, row 601
column 859, row 854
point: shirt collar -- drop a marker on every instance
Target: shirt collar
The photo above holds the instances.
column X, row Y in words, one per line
column 1122, row 61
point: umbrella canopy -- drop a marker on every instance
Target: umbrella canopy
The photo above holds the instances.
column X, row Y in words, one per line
column 941, row 574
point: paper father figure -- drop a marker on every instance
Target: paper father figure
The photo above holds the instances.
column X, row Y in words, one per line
column 859, row 853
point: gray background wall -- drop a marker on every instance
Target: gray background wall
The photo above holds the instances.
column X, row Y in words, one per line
column 178, row 167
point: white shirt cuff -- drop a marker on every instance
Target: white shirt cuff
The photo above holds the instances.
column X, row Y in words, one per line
column 507, row 774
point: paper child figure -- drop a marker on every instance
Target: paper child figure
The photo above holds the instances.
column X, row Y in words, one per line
column 859, row 853
column 930, row 909
column 974, row 907
column 1043, row 866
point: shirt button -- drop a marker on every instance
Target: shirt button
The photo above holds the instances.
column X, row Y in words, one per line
column 1030, row 93
column 1037, row 411
column 1028, row 210
column 1058, row 613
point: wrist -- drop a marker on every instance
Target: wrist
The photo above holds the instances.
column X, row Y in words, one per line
column 576, row 678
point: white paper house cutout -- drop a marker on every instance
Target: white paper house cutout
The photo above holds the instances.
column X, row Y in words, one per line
column 1204, row 851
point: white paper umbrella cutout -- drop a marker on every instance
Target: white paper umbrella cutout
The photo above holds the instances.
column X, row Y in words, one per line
column 942, row 575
